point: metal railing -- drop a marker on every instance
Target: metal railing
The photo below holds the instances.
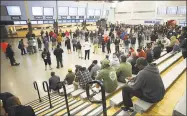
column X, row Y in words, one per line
column 61, row 84
column 103, row 101
column 36, row 88
column 47, row 90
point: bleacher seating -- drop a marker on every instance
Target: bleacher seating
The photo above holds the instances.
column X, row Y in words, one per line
column 180, row 108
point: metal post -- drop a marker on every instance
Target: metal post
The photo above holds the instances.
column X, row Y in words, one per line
column 45, row 83
column 36, row 88
column 102, row 92
column 65, row 95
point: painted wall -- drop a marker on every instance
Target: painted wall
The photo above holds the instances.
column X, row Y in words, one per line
column 126, row 11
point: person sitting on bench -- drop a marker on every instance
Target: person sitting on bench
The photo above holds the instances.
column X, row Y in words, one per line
column 108, row 76
column 124, row 70
column 53, row 82
column 147, row 86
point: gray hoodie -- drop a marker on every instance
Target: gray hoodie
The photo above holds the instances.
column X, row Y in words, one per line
column 150, row 83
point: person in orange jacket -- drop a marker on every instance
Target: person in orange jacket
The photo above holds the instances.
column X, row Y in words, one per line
column 141, row 53
column 4, row 45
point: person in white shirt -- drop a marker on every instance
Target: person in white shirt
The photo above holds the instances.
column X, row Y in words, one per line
column 87, row 47
column 34, row 45
column 114, row 61
column 166, row 41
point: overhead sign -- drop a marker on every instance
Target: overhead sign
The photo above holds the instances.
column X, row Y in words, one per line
column 15, row 17
column 48, row 17
column 38, row 17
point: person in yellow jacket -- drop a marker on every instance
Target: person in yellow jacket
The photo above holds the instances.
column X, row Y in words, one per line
column 59, row 39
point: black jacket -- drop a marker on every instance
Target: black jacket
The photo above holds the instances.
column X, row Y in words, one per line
column 4, row 97
column 156, row 52
column 9, row 52
column 133, row 40
column 117, row 41
column 58, row 52
column 21, row 111
column 46, row 55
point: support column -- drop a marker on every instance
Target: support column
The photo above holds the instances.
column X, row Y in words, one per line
column 4, row 32
column 29, row 28
column 55, row 25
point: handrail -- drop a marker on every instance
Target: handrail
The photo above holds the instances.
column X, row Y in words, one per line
column 65, row 95
column 47, row 90
column 102, row 92
column 36, row 88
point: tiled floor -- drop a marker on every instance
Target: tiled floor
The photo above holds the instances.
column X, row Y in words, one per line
column 19, row 80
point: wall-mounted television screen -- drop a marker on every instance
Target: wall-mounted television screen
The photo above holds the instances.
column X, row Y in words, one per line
column 23, row 22
column 13, row 10
column 63, row 11
column 17, row 23
column 40, row 22
column 72, row 11
column 34, row 22
column 48, row 11
column 37, row 11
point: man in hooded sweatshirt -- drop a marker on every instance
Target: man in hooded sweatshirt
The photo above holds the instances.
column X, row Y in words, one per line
column 147, row 86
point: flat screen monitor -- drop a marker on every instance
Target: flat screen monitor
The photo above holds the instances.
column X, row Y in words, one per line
column 181, row 10
column 90, row 12
column 81, row 11
column 37, row 11
column 72, row 11
column 48, row 11
column 23, row 22
column 63, row 11
column 97, row 12
column 13, row 10
column 17, row 23
column 40, row 22
column 172, row 10
column 34, row 22
column 81, row 21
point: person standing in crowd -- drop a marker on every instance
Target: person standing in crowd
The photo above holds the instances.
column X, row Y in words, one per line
column 34, row 45
column 74, row 42
column 68, row 45
column 53, row 82
column 67, row 34
column 95, row 44
column 126, row 44
column 21, row 46
column 103, row 46
column 117, row 41
column 41, row 33
column 46, row 58
column 54, row 41
column 100, row 39
column 50, row 35
column 39, row 44
column 124, row 70
column 133, row 41
column 82, row 77
column 108, row 46
column 70, row 77
column 4, row 45
column 149, row 54
column 94, row 69
column 147, row 86
column 59, row 40
column 79, row 49
column 132, row 59
column 47, row 35
column 91, row 36
column 140, row 39
column 108, row 75
column 58, row 53
column 87, row 47
column 10, row 55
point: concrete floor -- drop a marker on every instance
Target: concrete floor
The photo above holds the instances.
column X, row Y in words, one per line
column 19, row 80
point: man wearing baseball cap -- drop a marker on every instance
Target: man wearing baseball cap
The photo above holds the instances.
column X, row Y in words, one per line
column 108, row 75
column 147, row 86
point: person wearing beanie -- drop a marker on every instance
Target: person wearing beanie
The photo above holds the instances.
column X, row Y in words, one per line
column 70, row 77
column 148, row 85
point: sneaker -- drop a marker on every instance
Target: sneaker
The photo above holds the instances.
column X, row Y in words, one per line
column 126, row 109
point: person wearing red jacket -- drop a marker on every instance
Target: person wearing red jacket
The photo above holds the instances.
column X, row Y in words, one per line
column 51, row 34
column 141, row 53
column 67, row 33
column 3, row 47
